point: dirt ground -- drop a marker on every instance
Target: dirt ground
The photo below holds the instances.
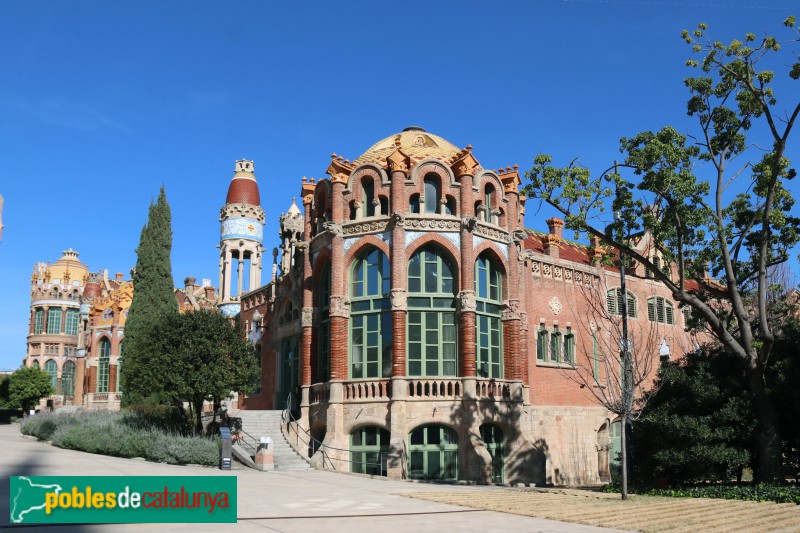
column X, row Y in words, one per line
column 642, row 513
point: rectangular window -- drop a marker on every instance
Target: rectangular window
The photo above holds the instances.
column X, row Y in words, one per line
column 569, row 348
column 38, row 322
column 71, row 327
column 555, row 346
column 541, row 345
column 102, row 375
column 54, row 321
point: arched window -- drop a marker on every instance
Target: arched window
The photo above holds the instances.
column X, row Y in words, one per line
column 555, row 345
column 35, row 364
column 432, row 193
column 75, row 296
column 38, row 321
column 431, row 324
column 286, row 313
column 488, row 318
column 56, row 294
column 369, row 448
column 492, row 437
column 370, row 317
column 68, row 379
column 433, row 453
column 104, row 354
column 73, row 318
column 488, row 203
column 54, row 321
column 614, row 301
column 660, row 310
column 52, row 370
column 324, row 328
column 368, row 198
column 450, row 206
column 413, row 203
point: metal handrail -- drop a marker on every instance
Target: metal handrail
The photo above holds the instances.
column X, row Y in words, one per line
column 287, row 418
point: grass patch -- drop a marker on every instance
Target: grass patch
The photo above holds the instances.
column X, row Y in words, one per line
column 127, row 434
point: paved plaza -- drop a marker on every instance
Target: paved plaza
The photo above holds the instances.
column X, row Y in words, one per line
column 275, row 501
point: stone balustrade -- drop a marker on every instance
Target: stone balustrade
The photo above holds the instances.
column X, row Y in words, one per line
column 434, row 389
column 369, row 390
column 319, row 393
column 416, row 389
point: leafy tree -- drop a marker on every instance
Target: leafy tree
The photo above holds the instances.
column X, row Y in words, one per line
column 153, row 302
column 699, row 427
column 691, row 219
column 5, row 381
column 207, row 358
column 28, row 385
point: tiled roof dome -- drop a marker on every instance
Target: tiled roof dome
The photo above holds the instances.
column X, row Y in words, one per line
column 243, row 188
column 414, row 141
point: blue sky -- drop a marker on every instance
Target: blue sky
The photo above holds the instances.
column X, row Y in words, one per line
column 102, row 102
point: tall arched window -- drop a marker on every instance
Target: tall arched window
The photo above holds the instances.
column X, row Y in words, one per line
column 431, row 324
column 71, row 326
column 370, row 317
column 104, row 354
column 488, row 203
column 432, row 193
column 368, row 198
column 52, row 370
column 119, row 366
column 488, row 319
column 38, row 321
column 35, row 364
column 54, row 321
column 324, row 328
column 68, row 379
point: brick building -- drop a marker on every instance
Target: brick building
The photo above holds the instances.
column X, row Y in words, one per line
column 421, row 331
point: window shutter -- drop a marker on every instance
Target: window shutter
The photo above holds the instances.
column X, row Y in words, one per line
column 670, row 315
column 631, row 306
column 651, row 309
column 611, row 301
column 660, row 309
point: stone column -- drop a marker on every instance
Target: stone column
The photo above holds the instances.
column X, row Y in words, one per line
column 221, row 286
column 239, row 275
column 226, row 295
column 44, row 322
column 511, row 314
column 63, row 319
column 339, row 304
column 399, row 164
column 307, row 316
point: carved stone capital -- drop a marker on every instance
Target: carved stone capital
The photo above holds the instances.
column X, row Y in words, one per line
column 468, row 223
column 466, row 302
column 307, row 317
column 399, row 219
column 301, row 245
column 511, row 310
column 524, row 319
column 335, row 229
column 340, row 306
column 399, row 299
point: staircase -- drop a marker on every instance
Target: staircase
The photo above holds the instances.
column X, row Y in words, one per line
column 268, row 424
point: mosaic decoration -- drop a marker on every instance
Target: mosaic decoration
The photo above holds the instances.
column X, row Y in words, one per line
column 241, row 228
column 453, row 237
column 230, row 309
column 386, row 237
column 476, row 241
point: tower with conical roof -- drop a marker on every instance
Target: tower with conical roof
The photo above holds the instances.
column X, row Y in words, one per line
column 241, row 234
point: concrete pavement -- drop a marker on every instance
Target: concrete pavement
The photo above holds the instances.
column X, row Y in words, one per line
column 273, row 501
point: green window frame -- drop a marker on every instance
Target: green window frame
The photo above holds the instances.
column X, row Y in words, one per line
column 68, row 379
column 119, row 365
column 370, row 317
column 432, row 193
column 431, row 333
column 73, row 319
column 542, row 343
column 569, row 347
column 35, row 364
column 433, row 453
column 488, row 201
column 488, row 319
column 103, row 365
column 51, row 367
column 38, row 321
column 493, row 439
column 555, row 345
column 54, row 321
column 614, row 302
column 660, row 310
column 368, row 199
column 369, row 449
column 324, row 328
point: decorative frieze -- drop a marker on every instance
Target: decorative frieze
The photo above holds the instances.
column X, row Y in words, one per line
column 492, row 233
column 365, row 228
column 433, row 224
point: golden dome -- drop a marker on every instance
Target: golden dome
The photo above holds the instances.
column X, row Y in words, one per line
column 415, row 142
column 68, row 263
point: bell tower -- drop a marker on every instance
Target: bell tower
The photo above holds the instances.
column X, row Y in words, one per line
column 241, row 235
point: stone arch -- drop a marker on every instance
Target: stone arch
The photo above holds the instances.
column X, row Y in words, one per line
column 368, row 169
column 452, row 253
column 357, row 248
column 490, row 249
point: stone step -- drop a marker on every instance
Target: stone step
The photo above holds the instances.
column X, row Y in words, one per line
column 268, row 424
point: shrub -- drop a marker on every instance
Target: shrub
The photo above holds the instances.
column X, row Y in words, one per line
column 762, row 492
column 121, row 435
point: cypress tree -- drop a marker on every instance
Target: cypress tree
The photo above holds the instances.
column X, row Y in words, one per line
column 153, row 302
